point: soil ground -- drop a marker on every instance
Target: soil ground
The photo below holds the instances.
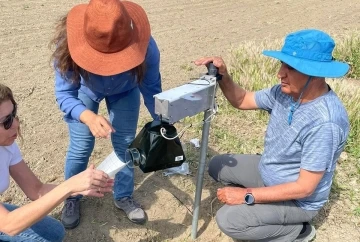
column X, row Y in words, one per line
column 184, row 31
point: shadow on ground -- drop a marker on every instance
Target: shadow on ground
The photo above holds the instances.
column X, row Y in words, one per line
column 173, row 195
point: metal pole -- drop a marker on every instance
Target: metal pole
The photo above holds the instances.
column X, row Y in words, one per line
column 201, row 170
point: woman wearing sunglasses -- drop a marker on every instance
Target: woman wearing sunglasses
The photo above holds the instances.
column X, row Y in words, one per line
column 29, row 222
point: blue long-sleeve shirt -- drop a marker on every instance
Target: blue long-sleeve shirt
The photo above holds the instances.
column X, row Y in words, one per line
column 112, row 87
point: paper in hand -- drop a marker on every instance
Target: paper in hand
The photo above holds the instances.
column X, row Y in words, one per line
column 111, row 165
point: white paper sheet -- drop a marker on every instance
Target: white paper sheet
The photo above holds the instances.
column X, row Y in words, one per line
column 111, row 165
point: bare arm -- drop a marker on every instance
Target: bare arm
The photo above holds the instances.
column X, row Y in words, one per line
column 303, row 187
column 90, row 182
column 237, row 96
column 23, row 176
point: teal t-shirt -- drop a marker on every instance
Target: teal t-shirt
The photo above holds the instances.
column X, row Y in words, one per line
column 313, row 141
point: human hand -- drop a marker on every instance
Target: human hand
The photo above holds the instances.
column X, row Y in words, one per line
column 231, row 195
column 217, row 61
column 90, row 182
column 99, row 126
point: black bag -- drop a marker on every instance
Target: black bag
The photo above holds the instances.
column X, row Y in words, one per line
column 151, row 151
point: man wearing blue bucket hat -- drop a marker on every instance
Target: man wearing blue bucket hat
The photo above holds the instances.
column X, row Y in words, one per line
column 273, row 197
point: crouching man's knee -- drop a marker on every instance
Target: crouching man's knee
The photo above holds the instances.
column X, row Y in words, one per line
column 232, row 225
column 215, row 166
column 213, row 169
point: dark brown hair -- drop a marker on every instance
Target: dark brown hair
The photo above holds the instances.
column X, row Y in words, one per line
column 63, row 61
column 5, row 95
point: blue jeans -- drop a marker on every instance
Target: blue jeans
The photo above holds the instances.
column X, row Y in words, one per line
column 46, row 230
column 124, row 114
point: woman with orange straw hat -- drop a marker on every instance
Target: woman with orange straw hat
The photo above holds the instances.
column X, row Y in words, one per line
column 104, row 51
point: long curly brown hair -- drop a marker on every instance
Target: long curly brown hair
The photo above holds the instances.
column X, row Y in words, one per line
column 63, row 62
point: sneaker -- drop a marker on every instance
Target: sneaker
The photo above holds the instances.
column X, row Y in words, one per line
column 307, row 233
column 133, row 210
column 70, row 216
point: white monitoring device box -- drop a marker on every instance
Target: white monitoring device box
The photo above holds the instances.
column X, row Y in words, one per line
column 186, row 100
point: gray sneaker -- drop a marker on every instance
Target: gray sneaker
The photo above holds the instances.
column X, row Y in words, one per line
column 307, row 233
column 70, row 216
column 133, row 210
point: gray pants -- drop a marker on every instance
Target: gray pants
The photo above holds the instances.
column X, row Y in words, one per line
column 281, row 221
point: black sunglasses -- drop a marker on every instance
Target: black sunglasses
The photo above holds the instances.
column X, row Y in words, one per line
column 9, row 119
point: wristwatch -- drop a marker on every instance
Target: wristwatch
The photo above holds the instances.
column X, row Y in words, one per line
column 249, row 197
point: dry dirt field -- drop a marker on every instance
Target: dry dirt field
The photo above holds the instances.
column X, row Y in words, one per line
column 184, row 31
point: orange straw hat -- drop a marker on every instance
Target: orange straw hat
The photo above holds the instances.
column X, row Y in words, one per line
column 108, row 37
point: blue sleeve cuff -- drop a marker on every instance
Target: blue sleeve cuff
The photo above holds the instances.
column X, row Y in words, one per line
column 77, row 111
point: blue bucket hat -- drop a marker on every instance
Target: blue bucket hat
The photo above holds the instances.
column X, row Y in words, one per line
column 310, row 52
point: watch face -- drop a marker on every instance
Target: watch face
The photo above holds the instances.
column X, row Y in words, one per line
column 249, row 199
